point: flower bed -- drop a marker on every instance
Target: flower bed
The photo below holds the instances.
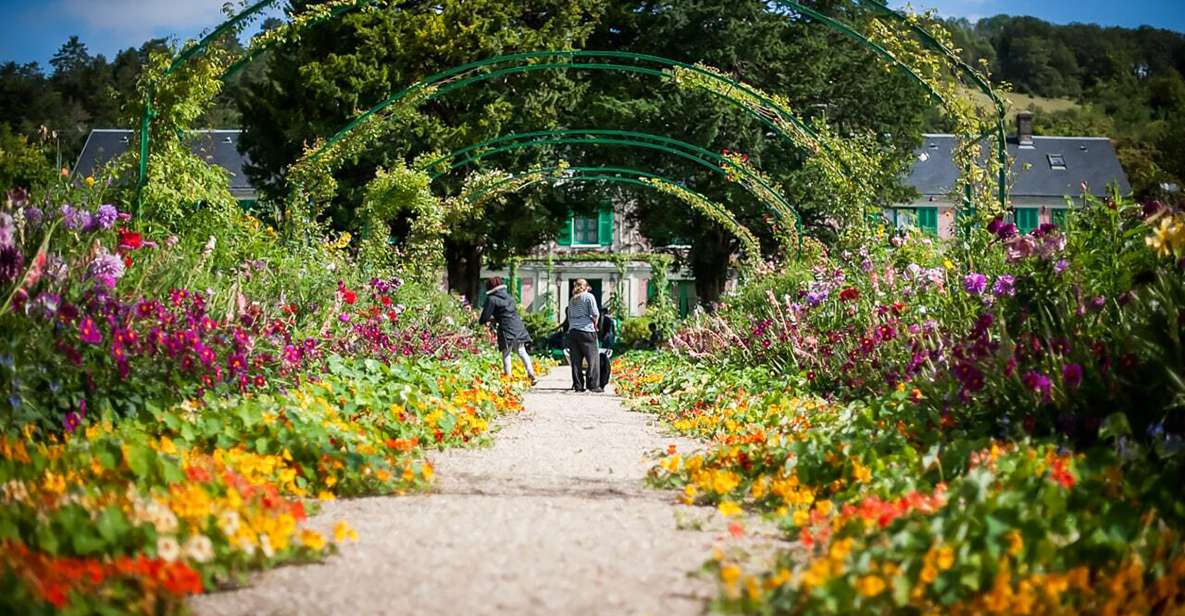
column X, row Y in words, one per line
column 176, row 406
column 1000, row 435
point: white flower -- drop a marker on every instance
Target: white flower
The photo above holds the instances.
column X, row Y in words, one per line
column 265, row 545
column 210, row 245
column 167, row 548
column 199, row 548
column 162, row 518
column 229, row 523
column 15, row 492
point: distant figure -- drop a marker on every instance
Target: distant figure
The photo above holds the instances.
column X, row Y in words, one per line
column 582, row 338
column 512, row 334
column 655, row 337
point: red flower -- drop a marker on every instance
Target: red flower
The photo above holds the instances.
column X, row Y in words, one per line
column 850, row 294
column 130, row 240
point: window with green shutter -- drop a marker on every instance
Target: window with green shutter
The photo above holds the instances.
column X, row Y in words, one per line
column 565, row 236
column 605, row 225
column 586, row 231
column 927, row 218
column 1027, row 218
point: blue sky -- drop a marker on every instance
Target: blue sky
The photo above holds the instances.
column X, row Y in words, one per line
column 34, row 29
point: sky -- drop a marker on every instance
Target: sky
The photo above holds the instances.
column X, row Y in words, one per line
column 34, row 29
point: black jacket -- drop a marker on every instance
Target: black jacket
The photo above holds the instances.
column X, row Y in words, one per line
column 503, row 310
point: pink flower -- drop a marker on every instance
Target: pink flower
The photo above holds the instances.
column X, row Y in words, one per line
column 89, row 332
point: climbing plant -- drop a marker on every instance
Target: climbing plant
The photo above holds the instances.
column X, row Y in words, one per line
column 391, row 193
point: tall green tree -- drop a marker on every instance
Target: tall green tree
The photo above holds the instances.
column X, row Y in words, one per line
column 315, row 87
column 822, row 74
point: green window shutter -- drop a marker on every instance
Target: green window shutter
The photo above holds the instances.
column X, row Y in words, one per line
column 518, row 289
column 605, row 225
column 928, row 220
column 1027, row 218
column 650, row 290
column 565, row 237
column 1058, row 215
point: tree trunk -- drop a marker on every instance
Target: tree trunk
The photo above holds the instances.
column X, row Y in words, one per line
column 464, row 269
column 709, row 263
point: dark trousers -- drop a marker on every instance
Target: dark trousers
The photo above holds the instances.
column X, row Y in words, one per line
column 582, row 347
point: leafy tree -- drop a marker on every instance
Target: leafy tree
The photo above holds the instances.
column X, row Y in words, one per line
column 821, row 73
column 319, row 84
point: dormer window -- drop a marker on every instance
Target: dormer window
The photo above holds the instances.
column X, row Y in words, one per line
column 1057, row 162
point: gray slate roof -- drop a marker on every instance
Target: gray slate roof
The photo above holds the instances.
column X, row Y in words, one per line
column 219, row 147
column 1088, row 159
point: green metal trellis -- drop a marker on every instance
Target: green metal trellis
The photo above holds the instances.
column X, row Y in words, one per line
column 469, row 74
column 836, row 25
column 609, row 175
column 710, row 160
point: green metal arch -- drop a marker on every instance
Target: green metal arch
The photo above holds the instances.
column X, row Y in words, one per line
column 705, row 158
column 930, row 41
column 612, row 175
column 455, row 78
column 816, row 16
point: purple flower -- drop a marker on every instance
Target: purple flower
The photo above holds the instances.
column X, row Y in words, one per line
column 1072, row 375
column 814, row 298
column 72, row 421
column 89, row 332
column 975, row 284
column 1005, row 286
column 995, row 225
column 7, row 231
column 1038, row 383
column 344, row 317
column 75, row 219
column 107, row 269
column 1007, row 232
column 34, row 216
column 106, row 217
column 11, row 264
column 1060, row 266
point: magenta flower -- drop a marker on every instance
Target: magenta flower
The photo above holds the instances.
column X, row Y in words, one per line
column 1038, row 383
column 89, row 332
column 1072, row 375
column 975, row 284
column 72, row 421
column 1005, row 286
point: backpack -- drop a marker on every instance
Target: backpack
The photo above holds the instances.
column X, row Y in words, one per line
column 606, row 367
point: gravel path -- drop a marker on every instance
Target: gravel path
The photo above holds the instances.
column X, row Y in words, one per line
column 553, row 519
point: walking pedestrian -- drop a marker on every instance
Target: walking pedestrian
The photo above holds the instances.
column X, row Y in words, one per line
column 582, row 338
column 502, row 309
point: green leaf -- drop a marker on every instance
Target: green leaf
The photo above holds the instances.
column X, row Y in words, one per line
column 111, row 524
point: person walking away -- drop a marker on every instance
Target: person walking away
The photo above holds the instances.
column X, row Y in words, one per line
column 502, row 309
column 582, row 338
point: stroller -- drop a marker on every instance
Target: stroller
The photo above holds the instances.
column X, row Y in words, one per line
column 605, row 363
column 559, row 349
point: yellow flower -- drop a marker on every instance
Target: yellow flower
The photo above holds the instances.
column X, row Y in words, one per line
column 90, row 182
column 729, row 509
column 325, row 495
column 870, row 585
column 801, row 517
column 929, row 573
column 948, row 264
column 312, row 539
column 945, row 558
column 823, row 507
column 1016, row 544
column 729, row 574
column 342, row 531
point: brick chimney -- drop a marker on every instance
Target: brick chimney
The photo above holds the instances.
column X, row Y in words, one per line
column 1024, row 128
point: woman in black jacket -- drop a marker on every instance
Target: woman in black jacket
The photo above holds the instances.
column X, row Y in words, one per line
column 502, row 309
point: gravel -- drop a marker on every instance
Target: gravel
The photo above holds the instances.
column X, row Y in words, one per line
column 553, row 519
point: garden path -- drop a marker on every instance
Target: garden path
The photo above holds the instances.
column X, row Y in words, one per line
column 553, row 519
